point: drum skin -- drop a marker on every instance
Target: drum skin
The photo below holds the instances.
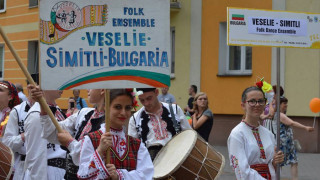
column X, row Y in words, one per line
column 188, row 156
column 6, row 161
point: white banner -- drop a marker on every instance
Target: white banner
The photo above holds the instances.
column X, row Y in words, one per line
column 104, row 44
column 251, row 27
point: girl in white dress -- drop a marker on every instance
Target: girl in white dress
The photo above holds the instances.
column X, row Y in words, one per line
column 129, row 158
column 251, row 146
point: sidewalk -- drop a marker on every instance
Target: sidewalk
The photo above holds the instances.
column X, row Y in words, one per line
column 308, row 167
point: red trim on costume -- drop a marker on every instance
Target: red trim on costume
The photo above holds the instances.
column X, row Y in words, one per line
column 262, row 169
column 255, row 131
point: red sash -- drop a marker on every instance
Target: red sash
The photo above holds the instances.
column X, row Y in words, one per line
column 262, row 169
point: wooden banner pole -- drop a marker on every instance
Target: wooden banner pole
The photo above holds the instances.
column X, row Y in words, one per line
column 42, row 101
column 107, row 119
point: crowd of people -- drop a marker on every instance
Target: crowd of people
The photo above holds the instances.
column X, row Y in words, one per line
column 80, row 150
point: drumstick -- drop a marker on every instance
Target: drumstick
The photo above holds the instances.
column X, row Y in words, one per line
column 42, row 101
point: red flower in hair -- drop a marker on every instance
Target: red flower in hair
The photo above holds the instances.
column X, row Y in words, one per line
column 259, row 84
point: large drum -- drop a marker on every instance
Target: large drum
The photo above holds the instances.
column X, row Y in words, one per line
column 6, row 161
column 188, row 156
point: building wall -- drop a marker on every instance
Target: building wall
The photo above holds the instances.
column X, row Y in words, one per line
column 224, row 92
column 302, row 75
column 180, row 19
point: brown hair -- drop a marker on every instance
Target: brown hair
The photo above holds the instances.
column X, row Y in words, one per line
column 195, row 106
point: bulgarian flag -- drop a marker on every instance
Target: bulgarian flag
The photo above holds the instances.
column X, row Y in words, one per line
column 238, row 17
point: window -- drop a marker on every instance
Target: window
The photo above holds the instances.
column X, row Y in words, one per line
column 33, row 57
column 1, row 61
column 2, row 6
column 173, row 36
column 33, row 3
column 233, row 60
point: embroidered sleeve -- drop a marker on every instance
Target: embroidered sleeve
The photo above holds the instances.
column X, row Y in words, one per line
column 91, row 165
column 239, row 160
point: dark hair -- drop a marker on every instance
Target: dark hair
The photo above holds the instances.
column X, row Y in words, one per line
column 275, row 90
column 283, row 99
column 195, row 89
column 114, row 93
column 13, row 92
column 249, row 89
column 146, row 89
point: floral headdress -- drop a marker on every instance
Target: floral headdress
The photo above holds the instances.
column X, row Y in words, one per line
column 264, row 86
column 134, row 98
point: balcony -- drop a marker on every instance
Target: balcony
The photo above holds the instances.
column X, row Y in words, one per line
column 175, row 5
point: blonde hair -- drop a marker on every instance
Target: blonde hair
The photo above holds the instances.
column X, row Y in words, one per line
column 195, row 106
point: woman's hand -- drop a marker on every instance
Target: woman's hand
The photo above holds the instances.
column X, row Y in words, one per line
column 105, row 143
column 64, row 138
column 35, row 91
column 278, row 157
column 309, row 129
column 112, row 172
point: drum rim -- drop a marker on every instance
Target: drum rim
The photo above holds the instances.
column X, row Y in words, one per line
column 184, row 157
column 222, row 164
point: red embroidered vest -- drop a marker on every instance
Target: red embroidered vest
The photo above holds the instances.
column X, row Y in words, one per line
column 129, row 159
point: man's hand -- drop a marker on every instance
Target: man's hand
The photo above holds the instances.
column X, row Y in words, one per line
column 64, row 138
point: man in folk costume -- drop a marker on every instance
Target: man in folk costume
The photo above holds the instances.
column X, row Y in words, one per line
column 75, row 128
column 14, row 135
column 44, row 160
column 156, row 122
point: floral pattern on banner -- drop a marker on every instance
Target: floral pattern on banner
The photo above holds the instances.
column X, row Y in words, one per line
column 159, row 130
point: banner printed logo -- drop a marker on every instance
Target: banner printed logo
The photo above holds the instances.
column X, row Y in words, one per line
column 66, row 17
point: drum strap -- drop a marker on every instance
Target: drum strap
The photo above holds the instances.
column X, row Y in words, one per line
column 175, row 123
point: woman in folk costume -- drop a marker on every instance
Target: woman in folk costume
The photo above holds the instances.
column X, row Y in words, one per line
column 129, row 157
column 8, row 99
column 75, row 128
column 251, row 146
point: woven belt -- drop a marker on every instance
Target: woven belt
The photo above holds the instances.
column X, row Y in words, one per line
column 57, row 162
column 262, row 169
column 71, row 169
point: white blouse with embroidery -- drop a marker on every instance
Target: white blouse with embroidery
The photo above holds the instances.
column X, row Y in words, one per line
column 92, row 166
column 244, row 151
